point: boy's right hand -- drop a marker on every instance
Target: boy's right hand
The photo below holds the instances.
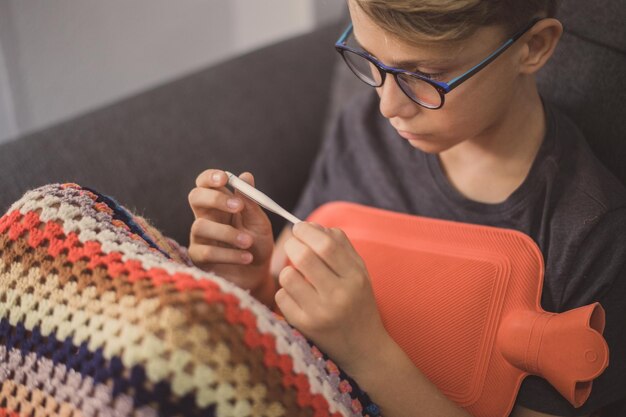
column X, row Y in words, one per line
column 231, row 235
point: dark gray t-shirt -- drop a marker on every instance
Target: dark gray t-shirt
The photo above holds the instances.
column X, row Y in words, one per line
column 572, row 207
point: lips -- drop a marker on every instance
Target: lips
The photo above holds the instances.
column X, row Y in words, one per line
column 411, row 136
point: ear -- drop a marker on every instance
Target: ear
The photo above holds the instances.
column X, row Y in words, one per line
column 540, row 42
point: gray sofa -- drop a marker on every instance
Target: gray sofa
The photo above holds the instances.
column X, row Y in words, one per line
column 266, row 111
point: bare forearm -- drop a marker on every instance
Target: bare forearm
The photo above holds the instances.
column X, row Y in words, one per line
column 399, row 388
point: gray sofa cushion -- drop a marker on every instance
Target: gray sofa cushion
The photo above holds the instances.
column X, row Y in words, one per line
column 587, row 76
column 599, row 21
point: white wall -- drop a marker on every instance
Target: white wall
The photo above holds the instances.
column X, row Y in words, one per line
column 64, row 57
column 261, row 22
column 8, row 124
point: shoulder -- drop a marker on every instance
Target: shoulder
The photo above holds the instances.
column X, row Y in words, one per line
column 582, row 194
column 582, row 220
column 587, row 184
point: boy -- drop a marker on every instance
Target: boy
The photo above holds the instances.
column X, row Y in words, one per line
column 487, row 150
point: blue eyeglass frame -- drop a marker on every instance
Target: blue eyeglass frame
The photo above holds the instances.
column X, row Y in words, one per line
column 442, row 87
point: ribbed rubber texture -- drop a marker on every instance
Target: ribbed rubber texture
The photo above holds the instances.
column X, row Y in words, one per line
column 443, row 289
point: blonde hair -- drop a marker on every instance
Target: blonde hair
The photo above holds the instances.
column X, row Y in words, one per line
column 451, row 20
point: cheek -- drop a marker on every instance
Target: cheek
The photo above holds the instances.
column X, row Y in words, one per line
column 461, row 114
column 478, row 103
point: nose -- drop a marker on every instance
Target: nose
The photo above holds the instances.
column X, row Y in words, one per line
column 393, row 101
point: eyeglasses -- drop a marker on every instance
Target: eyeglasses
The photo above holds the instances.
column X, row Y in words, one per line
column 420, row 88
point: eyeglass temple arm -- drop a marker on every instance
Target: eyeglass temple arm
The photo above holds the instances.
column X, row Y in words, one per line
column 344, row 35
column 452, row 84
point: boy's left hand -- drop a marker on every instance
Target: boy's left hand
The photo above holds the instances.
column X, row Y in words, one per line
column 327, row 295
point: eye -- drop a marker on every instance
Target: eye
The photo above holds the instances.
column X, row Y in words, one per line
column 435, row 76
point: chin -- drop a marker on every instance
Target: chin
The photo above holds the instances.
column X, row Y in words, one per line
column 425, row 143
column 428, row 146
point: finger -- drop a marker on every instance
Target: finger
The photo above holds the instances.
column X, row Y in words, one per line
column 309, row 264
column 212, row 178
column 204, row 202
column 203, row 255
column 289, row 308
column 298, row 287
column 342, row 238
column 332, row 249
column 252, row 214
column 247, row 177
column 279, row 258
column 206, row 232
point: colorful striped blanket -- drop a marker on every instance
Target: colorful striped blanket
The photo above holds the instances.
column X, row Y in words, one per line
column 100, row 315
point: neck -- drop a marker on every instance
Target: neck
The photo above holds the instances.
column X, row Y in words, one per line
column 502, row 155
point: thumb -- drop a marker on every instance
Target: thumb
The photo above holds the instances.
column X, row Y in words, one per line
column 252, row 214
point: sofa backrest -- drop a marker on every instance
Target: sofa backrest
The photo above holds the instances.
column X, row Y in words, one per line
column 586, row 77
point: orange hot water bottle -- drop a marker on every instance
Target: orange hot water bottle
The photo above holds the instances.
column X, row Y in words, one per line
column 463, row 301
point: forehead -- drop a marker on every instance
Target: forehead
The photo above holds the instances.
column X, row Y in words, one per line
column 391, row 48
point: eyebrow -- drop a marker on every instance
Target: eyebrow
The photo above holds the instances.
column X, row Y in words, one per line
column 405, row 64
column 424, row 63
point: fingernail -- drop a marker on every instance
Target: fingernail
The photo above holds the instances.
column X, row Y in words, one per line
column 243, row 239
column 216, row 177
column 246, row 257
column 233, row 203
column 298, row 226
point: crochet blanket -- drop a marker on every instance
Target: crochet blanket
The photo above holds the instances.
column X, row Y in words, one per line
column 100, row 315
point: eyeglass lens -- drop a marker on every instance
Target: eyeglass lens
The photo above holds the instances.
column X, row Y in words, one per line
column 415, row 88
